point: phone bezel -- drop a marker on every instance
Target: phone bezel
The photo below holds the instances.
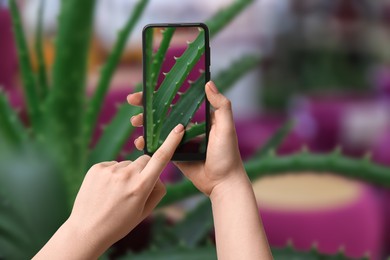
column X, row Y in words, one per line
column 180, row 156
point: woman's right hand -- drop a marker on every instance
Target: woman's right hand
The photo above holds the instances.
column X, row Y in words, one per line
column 223, row 164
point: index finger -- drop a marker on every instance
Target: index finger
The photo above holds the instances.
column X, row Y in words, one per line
column 135, row 99
column 161, row 157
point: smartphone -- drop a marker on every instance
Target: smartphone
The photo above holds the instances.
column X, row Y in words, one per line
column 176, row 67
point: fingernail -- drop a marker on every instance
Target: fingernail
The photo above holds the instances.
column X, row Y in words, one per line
column 136, row 139
column 179, row 128
column 213, row 87
column 131, row 119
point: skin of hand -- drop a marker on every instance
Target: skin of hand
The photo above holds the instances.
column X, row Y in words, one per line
column 207, row 175
column 222, row 177
column 114, row 198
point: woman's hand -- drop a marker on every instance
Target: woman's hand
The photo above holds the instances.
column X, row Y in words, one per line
column 113, row 199
column 238, row 228
column 223, row 162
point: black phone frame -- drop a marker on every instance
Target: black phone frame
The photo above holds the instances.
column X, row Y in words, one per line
column 179, row 156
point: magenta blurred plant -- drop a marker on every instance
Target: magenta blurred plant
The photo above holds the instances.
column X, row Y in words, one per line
column 381, row 80
column 8, row 60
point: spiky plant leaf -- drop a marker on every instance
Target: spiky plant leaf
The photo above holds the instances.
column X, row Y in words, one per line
column 42, row 76
column 194, row 131
column 161, row 233
column 28, row 216
column 224, row 16
column 185, row 107
column 190, row 101
column 109, row 69
column 301, row 162
column 11, row 129
column 172, row 83
column 160, row 54
column 177, row 192
column 29, row 84
column 195, row 227
column 66, row 100
column 189, row 232
column 239, row 68
column 149, row 87
column 114, row 136
column 335, row 163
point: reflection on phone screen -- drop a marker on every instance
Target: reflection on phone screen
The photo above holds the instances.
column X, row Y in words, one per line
column 175, row 65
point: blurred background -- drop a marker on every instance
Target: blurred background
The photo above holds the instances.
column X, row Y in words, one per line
column 324, row 64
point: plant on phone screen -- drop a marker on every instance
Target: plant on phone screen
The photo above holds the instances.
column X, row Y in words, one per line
column 159, row 101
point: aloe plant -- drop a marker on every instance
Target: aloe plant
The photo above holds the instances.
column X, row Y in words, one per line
column 61, row 117
column 272, row 164
column 55, row 143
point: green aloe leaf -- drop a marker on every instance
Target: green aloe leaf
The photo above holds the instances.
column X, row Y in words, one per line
column 239, row 68
column 28, row 216
column 301, row 162
column 29, row 84
column 114, row 136
column 177, row 192
column 185, row 107
column 194, row 131
column 42, row 76
column 172, row 83
column 11, row 129
column 160, row 54
column 12, row 228
column 224, row 16
column 334, row 163
column 109, row 69
column 149, row 87
column 196, row 226
column 161, row 233
column 65, row 104
column 190, row 101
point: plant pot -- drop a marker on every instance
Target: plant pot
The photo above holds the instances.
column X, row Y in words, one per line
column 328, row 212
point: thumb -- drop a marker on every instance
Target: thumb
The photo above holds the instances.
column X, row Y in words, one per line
column 221, row 104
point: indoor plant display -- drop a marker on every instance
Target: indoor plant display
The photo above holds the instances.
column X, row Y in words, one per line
column 59, row 132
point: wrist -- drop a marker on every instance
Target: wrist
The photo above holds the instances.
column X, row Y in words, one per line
column 71, row 242
column 88, row 240
column 236, row 181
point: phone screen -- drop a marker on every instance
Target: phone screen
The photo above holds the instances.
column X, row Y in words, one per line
column 176, row 69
